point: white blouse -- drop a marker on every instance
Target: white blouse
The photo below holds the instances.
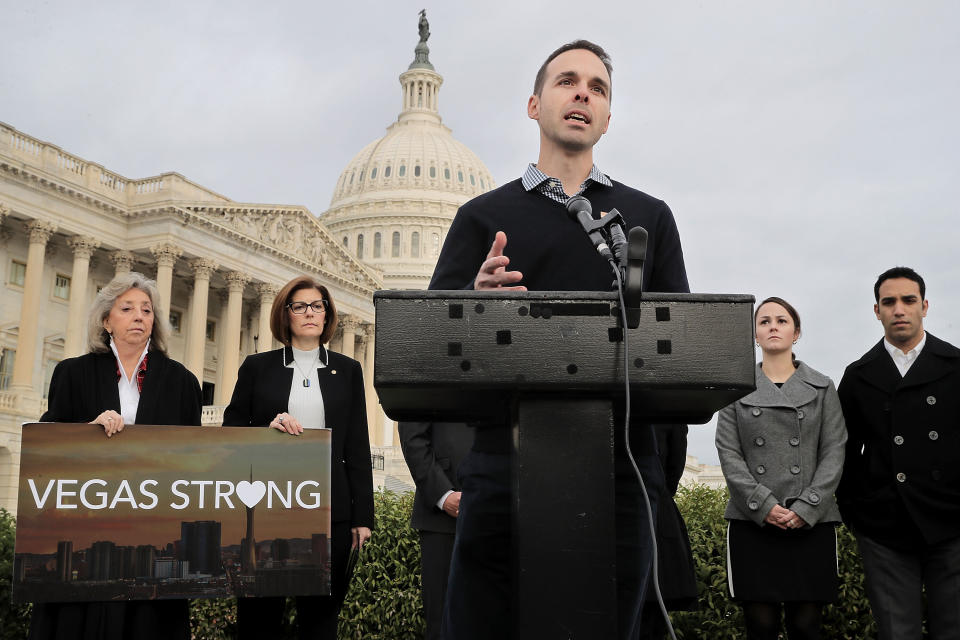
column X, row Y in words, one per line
column 128, row 388
column 306, row 400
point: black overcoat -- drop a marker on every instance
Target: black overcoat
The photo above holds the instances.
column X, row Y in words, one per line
column 433, row 451
column 263, row 391
column 901, row 478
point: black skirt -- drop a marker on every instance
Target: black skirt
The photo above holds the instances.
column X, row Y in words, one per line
column 768, row 564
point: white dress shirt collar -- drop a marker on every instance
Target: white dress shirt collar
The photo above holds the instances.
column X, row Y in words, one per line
column 905, row 360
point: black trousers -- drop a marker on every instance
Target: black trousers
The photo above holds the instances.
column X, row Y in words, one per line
column 317, row 616
column 436, row 549
column 479, row 600
column 160, row 619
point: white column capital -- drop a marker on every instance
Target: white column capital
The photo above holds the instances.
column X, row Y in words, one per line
column 166, row 253
column 236, row 281
column 4, row 212
column 83, row 246
column 40, row 231
column 122, row 260
column 267, row 291
column 203, row 268
column 349, row 324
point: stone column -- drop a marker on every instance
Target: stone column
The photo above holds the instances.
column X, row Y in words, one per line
column 166, row 254
column 267, row 293
column 40, row 233
column 123, row 261
column 83, row 247
column 374, row 417
column 197, row 334
column 236, row 281
column 349, row 324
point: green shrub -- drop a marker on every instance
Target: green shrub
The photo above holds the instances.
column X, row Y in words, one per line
column 14, row 619
column 718, row 617
column 384, row 598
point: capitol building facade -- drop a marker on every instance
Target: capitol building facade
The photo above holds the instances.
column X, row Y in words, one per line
column 68, row 225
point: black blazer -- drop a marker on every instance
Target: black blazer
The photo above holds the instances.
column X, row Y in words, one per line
column 433, row 451
column 906, row 425
column 81, row 388
column 263, row 391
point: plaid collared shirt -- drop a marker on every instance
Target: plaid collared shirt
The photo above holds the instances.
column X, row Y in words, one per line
column 533, row 178
column 141, row 373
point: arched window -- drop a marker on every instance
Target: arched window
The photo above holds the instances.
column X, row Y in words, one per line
column 395, row 249
column 386, row 171
column 473, row 181
column 403, row 170
column 433, row 172
column 481, row 184
column 376, row 243
column 346, row 242
column 352, row 173
column 415, row 244
column 360, row 246
column 416, row 171
column 361, row 176
column 436, row 244
column 373, row 173
column 460, row 176
column 446, row 173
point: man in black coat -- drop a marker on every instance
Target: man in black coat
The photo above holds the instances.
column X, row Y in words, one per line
column 433, row 451
column 549, row 252
column 900, row 491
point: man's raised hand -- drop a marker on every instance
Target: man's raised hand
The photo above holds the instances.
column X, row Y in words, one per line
column 493, row 272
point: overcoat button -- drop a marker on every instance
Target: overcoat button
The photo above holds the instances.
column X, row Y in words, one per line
column 931, row 400
column 794, row 441
column 795, row 469
column 933, row 435
column 756, row 411
column 800, row 414
column 814, row 497
column 901, row 477
column 759, row 441
column 898, row 439
column 761, row 469
column 754, row 506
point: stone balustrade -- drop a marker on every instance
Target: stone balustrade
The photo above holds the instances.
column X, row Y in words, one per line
column 212, row 415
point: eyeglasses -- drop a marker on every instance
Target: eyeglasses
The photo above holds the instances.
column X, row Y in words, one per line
column 318, row 306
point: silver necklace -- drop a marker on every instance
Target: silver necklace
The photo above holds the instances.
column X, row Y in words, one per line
column 306, row 378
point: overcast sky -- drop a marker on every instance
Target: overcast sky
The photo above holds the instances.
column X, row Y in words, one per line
column 803, row 147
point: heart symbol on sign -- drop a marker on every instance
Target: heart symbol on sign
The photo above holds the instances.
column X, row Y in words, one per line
column 250, row 493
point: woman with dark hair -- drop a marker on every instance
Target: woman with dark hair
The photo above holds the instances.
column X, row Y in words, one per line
column 305, row 386
column 781, row 449
column 125, row 378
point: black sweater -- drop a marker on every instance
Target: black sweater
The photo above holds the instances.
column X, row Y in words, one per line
column 550, row 249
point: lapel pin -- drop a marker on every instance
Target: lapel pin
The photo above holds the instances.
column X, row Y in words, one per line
column 333, row 372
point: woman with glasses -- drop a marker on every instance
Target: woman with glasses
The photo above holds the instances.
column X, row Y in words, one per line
column 304, row 386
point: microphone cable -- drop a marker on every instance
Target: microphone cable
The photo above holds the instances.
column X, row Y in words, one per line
column 626, row 433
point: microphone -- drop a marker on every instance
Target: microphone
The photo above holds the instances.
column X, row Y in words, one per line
column 581, row 210
column 618, row 240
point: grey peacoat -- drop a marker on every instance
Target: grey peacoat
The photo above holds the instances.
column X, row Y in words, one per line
column 783, row 446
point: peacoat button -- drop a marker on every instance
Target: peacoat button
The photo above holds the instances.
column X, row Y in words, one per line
column 756, row 411
column 898, row 439
column 931, row 400
column 800, row 413
column 754, row 506
column 759, row 441
column 814, row 497
column 933, row 435
column 935, row 474
column 795, row 469
column 794, row 441
column 761, row 469
column 901, row 477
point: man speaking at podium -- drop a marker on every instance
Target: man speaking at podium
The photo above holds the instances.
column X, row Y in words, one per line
column 548, row 251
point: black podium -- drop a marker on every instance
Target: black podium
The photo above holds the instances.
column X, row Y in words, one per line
column 551, row 364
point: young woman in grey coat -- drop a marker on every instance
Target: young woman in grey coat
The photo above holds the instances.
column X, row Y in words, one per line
column 781, row 449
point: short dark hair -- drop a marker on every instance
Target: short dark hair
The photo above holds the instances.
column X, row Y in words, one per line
column 899, row 272
column 280, row 320
column 595, row 49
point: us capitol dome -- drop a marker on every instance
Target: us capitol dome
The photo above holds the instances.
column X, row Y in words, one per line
column 395, row 200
